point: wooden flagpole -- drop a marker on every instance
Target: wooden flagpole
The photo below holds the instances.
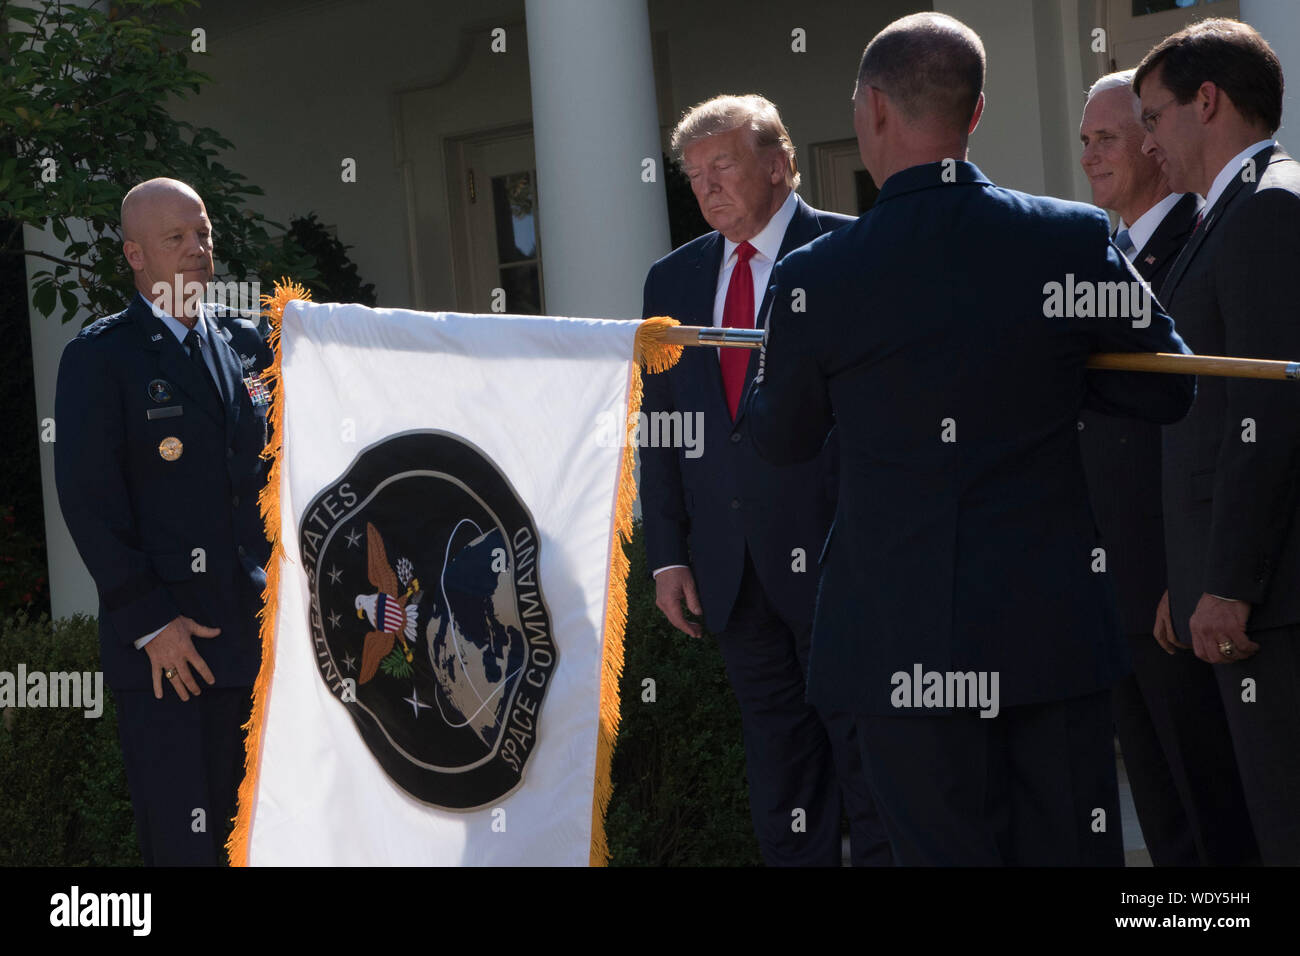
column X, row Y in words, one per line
column 1122, row 361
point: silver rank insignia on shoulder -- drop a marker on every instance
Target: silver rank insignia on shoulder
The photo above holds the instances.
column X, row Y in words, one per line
column 156, row 337
column 257, row 391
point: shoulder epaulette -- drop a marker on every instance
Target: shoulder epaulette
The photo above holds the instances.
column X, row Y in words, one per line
column 100, row 326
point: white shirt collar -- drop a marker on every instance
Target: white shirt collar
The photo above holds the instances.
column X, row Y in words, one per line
column 178, row 327
column 1232, row 168
column 768, row 241
column 1145, row 227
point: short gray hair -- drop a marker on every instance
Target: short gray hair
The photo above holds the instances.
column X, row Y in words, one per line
column 930, row 64
column 722, row 114
column 1113, row 81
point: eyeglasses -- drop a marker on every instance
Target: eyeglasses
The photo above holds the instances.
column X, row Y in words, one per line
column 1149, row 119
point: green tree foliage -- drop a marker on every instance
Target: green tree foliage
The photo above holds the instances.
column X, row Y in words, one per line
column 83, row 93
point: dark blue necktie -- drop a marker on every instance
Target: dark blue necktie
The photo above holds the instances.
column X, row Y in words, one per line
column 195, row 345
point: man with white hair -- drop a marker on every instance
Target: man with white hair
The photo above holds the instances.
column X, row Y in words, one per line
column 1171, row 725
column 727, row 534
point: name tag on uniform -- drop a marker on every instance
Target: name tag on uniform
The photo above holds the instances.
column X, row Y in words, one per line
column 171, row 411
column 257, row 391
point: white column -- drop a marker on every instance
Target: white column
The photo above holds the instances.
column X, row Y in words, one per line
column 1279, row 23
column 71, row 588
column 595, row 124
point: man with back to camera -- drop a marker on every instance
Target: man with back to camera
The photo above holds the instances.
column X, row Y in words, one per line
column 936, row 340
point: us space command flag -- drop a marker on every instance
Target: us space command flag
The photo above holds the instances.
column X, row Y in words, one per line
column 442, row 631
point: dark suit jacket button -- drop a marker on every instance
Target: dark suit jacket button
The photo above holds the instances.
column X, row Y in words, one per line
column 230, row 453
column 1080, row 424
column 735, row 436
column 241, row 551
column 735, row 503
column 235, row 501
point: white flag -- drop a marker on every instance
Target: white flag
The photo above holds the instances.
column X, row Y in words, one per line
column 445, row 604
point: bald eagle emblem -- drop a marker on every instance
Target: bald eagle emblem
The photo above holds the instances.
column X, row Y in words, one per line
column 427, row 617
column 393, row 618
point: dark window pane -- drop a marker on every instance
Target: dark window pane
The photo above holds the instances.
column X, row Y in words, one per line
column 523, row 287
column 512, row 207
column 1143, row 7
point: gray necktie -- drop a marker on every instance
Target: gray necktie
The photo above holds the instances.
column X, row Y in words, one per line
column 1125, row 243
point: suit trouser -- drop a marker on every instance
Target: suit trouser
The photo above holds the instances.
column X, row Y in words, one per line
column 796, row 758
column 1179, row 759
column 182, row 757
column 1266, row 738
column 1033, row 786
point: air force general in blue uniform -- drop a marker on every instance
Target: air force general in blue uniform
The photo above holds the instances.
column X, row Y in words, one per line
column 158, row 472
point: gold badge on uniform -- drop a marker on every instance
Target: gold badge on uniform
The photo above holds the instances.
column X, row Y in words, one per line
column 170, row 448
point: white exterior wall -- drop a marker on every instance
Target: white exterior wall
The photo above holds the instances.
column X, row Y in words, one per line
column 1279, row 23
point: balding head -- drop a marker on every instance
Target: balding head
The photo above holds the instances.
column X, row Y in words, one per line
column 141, row 203
column 167, row 240
column 930, row 65
column 919, row 95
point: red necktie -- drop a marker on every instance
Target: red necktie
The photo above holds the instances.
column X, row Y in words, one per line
column 737, row 313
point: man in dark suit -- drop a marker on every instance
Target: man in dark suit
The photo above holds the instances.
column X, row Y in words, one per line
column 1211, row 99
column 1170, row 722
column 727, row 534
column 964, row 614
column 161, row 421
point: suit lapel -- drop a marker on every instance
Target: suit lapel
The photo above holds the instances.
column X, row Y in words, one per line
column 803, row 229
column 1209, row 220
column 1168, row 239
column 172, row 360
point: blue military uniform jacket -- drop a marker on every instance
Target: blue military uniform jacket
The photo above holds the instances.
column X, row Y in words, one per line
column 158, row 481
column 963, row 537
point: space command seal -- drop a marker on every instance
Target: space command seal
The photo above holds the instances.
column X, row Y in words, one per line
column 427, row 616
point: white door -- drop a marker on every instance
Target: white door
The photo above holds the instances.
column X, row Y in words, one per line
column 496, row 247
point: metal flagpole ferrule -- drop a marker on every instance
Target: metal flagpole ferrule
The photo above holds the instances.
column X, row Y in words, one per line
column 730, row 338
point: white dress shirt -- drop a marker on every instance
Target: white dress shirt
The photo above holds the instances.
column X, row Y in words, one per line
column 767, row 246
column 1233, row 168
column 1140, row 232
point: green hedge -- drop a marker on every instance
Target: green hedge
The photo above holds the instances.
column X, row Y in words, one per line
column 679, row 790
column 63, row 794
column 679, row 766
